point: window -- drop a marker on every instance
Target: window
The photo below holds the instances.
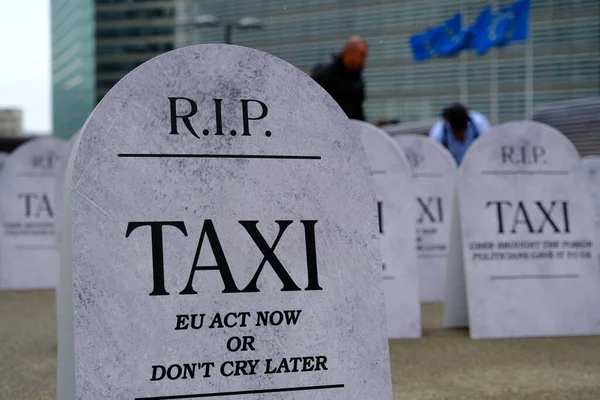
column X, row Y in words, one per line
column 135, row 14
column 135, row 48
column 133, row 32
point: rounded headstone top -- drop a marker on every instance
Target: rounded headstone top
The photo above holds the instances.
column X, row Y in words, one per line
column 521, row 145
column 425, row 155
column 384, row 153
column 34, row 159
column 219, row 101
column 42, row 152
column 204, row 80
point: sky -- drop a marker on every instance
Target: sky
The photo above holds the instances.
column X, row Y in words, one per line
column 25, row 61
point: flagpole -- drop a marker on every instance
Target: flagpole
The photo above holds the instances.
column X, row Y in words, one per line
column 493, row 87
column 464, row 86
column 464, row 65
column 529, row 79
column 494, row 82
column 529, row 73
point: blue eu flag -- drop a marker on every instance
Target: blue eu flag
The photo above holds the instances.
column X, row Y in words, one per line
column 477, row 34
column 509, row 24
column 444, row 40
column 516, row 27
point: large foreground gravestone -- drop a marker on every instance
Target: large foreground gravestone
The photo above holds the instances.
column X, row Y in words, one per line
column 591, row 165
column 29, row 256
column 434, row 170
column 224, row 239
column 527, row 237
column 396, row 209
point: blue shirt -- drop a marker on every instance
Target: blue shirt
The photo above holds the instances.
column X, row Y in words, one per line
column 479, row 125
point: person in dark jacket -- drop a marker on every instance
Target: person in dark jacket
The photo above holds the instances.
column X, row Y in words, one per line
column 342, row 78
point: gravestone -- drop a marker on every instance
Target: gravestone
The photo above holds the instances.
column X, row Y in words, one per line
column 528, row 239
column 396, row 209
column 591, row 165
column 434, row 171
column 59, row 188
column 224, row 239
column 29, row 256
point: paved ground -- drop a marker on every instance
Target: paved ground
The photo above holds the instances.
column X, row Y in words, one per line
column 444, row 365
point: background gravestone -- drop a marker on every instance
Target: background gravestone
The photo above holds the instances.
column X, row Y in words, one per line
column 434, row 171
column 527, row 236
column 28, row 251
column 395, row 205
column 591, row 165
column 224, row 239
column 59, row 188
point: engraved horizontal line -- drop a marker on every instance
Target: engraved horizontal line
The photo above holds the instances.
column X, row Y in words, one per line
column 256, row 156
column 388, row 278
column 378, row 172
column 444, row 255
column 37, row 174
column 36, row 246
column 540, row 276
column 242, row 392
column 525, row 172
column 427, row 175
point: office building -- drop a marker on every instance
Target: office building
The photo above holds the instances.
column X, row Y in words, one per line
column 73, row 64
column 97, row 42
column 11, row 122
column 559, row 63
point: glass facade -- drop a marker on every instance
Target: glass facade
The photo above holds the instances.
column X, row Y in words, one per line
column 97, row 42
column 128, row 33
column 73, row 64
column 559, row 63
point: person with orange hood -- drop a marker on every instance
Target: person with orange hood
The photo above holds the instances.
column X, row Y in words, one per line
column 342, row 78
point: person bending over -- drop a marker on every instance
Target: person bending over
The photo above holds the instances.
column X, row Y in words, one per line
column 458, row 128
